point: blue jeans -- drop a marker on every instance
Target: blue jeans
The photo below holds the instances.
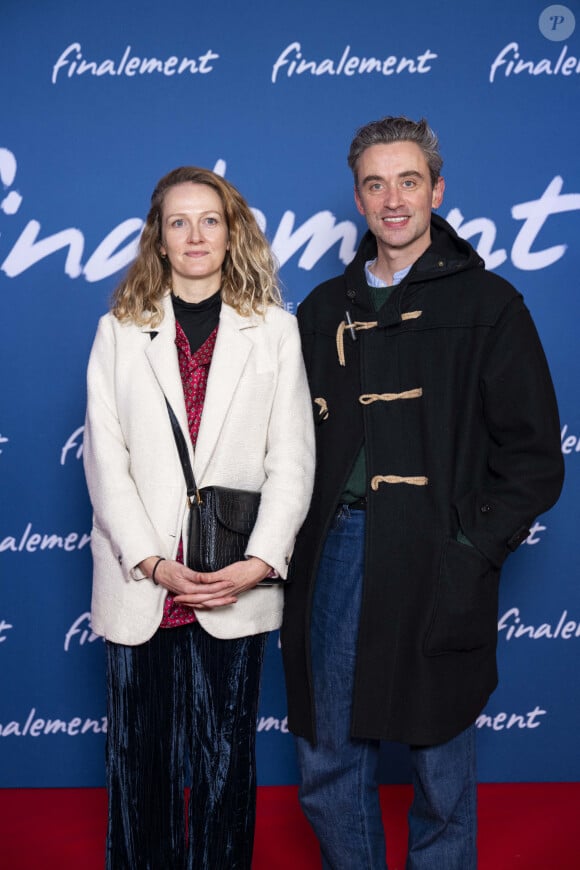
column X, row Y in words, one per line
column 339, row 789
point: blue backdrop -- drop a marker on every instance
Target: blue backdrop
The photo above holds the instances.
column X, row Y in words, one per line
column 98, row 102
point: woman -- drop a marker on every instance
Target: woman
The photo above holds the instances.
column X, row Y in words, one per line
column 197, row 323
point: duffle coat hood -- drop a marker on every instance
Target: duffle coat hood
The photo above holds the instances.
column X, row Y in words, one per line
column 450, row 392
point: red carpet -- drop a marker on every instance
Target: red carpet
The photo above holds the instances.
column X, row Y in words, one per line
column 521, row 827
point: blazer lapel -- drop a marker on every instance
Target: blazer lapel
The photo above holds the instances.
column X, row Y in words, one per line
column 162, row 355
column 230, row 355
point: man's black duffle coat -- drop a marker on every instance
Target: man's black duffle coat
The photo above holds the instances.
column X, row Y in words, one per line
column 461, row 434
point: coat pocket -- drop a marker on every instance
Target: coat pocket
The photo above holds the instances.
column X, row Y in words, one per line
column 465, row 611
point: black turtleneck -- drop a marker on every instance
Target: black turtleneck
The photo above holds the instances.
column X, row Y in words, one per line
column 197, row 319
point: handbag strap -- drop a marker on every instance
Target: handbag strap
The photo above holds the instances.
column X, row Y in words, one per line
column 191, row 485
column 192, row 490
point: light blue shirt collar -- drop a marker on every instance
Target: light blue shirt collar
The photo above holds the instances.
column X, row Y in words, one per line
column 373, row 281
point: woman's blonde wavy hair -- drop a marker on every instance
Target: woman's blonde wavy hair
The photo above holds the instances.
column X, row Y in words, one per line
column 249, row 272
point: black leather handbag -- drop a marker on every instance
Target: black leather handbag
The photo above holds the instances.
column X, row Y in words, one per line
column 220, row 519
column 220, row 523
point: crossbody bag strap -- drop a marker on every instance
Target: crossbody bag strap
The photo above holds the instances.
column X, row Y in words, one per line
column 192, row 491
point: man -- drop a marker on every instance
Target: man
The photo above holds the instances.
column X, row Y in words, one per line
column 438, row 443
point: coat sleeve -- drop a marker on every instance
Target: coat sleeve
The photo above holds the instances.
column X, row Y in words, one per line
column 118, row 511
column 289, row 459
column 525, row 468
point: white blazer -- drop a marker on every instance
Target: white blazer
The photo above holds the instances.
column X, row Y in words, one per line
column 256, row 433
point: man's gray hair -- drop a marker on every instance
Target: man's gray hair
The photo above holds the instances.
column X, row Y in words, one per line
column 391, row 129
